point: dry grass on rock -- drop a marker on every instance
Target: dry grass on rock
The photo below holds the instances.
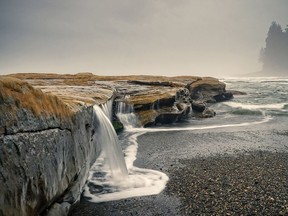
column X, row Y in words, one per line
column 18, row 94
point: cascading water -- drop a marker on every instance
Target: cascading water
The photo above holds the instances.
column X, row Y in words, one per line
column 107, row 108
column 108, row 178
column 125, row 113
column 110, row 148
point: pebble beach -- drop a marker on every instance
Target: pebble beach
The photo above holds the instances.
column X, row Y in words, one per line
column 254, row 183
column 235, row 171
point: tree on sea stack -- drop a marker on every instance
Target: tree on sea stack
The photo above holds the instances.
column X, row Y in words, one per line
column 275, row 55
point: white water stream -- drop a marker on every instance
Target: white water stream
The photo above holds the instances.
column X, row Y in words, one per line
column 107, row 109
column 125, row 113
column 111, row 151
column 110, row 178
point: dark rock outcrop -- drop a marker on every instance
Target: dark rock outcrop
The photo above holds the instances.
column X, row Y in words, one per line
column 164, row 110
column 167, row 118
column 157, row 83
column 224, row 96
column 198, row 106
column 207, row 113
column 197, row 95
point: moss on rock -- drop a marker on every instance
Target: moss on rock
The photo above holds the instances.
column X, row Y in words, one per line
column 118, row 126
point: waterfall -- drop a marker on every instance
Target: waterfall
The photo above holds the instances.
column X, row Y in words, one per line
column 125, row 113
column 111, row 150
column 108, row 177
column 107, row 108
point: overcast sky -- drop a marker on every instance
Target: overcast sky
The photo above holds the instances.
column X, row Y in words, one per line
column 114, row 37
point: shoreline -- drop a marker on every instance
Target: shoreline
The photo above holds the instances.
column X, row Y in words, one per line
column 193, row 190
column 225, row 185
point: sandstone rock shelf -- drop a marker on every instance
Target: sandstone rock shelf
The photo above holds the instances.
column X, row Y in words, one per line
column 47, row 133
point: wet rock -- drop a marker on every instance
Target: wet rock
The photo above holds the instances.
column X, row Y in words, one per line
column 118, row 126
column 168, row 118
column 198, row 106
column 182, row 106
column 223, row 97
column 157, row 83
column 207, row 113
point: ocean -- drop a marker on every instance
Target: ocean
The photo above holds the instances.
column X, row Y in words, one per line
column 265, row 96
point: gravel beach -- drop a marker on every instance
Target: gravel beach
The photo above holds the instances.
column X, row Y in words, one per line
column 255, row 183
column 236, row 171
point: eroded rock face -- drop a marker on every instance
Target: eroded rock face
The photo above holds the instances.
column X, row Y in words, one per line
column 147, row 117
column 45, row 155
column 163, row 106
column 171, row 104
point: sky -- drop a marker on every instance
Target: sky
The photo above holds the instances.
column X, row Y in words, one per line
column 122, row 37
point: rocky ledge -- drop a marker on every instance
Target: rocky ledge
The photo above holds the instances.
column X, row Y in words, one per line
column 47, row 134
column 172, row 99
column 45, row 149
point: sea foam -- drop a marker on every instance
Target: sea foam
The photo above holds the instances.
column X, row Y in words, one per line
column 256, row 106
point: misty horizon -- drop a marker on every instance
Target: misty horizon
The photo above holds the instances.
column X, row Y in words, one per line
column 168, row 38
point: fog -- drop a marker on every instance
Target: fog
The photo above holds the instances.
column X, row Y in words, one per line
column 163, row 37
